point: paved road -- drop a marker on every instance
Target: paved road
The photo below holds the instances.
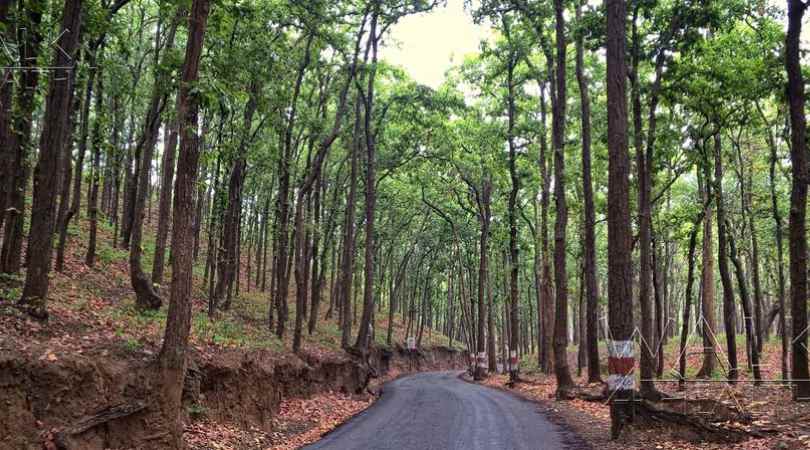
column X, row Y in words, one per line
column 439, row 411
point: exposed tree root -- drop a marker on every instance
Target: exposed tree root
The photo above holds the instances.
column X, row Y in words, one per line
column 710, row 420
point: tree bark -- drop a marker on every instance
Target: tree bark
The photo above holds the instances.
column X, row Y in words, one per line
column 11, row 254
column 172, row 358
column 687, row 303
column 55, row 121
column 165, row 203
column 707, row 322
column 484, row 215
column 226, row 267
column 84, row 126
column 561, row 371
column 798, row 200
column 780, row 263
column 145, row 295
column 347, row 259
column 729, row 307
column 362, row 341
column 281, row 270
column 621, row 360
column 97, row 142
column 745, row 300
column 589, row 219
column 647, row 363
column 546, row 286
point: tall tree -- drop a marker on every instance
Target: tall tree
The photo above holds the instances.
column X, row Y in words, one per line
column 561, row 371
column 798, row 200
column 589, row 219
column 374, row 36
column 28, row 82
column 51, row 145
column 173, row 353
column 621, row 359
column 145, row 295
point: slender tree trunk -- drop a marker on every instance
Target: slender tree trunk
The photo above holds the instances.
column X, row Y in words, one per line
column 729, row 307
column 745, row 300
column 11, row 254
column 563, row 374
column 6, row 113
column 780, row 265
column 97, row 142
column 707, row 321
column 283, row 201
column 227, row 266
column 65, row 177
column 145, row 295
column 546, row 287
column 647, row 363
column 84, row 125
column 687, row 303
column 347, row 259
column 371, row 190
column 165, row 203
column 483, row 275
column 514, row 296
column 589, row 219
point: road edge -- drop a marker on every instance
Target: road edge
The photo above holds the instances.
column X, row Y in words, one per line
column 571, row 439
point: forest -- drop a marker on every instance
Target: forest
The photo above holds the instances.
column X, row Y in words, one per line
column 229, row 223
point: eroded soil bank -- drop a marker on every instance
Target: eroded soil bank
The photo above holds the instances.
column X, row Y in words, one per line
column 99, row 400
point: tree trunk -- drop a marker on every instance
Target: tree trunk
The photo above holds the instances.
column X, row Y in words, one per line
column 707, row 323
column 647, row 363
column 687, row 303
column 798, row 200
column 780, row 264
column 82, row 149
column 347, row 259
column 145, row 295
column 514, row 296
column 729, row 307
column 66, row 175
column 283, row 202
column 745, row 300
column 172, row 358
column 371, row 183
column 546, row 286
column 561, row 371
column 165, row 203
column 227, row 266
column 57, row 109
column 6, row 113
column 589, row 219
column 97, row 142
column 484, row 214
column 621, row 360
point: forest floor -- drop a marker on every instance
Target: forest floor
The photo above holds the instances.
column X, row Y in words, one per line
column 769, row 418
column 92, row 315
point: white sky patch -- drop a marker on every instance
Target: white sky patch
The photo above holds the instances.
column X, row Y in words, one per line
column 429, row 44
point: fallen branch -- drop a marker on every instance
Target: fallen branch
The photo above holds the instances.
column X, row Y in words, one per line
column 61, row 439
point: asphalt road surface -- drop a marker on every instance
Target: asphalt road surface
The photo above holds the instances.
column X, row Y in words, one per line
column 432, row 411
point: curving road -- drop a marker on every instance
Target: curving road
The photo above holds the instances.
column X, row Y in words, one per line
column 439, row 411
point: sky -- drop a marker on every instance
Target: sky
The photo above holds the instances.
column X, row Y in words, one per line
column 428, row 44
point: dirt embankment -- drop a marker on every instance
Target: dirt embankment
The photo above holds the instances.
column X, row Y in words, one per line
column 98, row 401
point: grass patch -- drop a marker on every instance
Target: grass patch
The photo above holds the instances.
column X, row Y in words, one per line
column 108, row 254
